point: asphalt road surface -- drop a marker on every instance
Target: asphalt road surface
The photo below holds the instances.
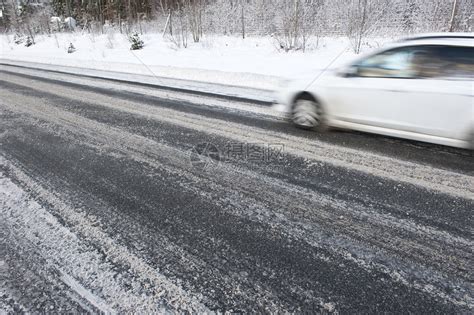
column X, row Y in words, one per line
column 119, row 198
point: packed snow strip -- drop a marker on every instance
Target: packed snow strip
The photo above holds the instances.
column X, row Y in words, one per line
column 76, row 261
column 269, row 112
column 205, row 87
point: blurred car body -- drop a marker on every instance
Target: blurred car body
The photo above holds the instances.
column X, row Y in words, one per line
column 420, row 88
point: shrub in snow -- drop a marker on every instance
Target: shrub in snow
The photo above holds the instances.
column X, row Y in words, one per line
column 136, row 42
column 18, row 39
column 29, row 41
column 71, row 48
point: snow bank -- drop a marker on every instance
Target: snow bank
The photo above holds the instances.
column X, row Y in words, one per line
column 252, row 62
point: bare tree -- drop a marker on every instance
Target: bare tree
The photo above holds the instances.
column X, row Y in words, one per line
column 291, row 22
column 362, row 19
column 290, row 36
column 194, row 9
column 357, row 23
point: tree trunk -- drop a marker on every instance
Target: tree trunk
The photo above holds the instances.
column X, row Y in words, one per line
column 453, row 16
column 171, row 22
column 243, row 19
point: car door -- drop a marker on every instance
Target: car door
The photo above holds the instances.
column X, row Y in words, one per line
column 387, row 91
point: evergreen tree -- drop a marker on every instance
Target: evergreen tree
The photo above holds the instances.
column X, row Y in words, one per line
column 71, row 48
column 136, row 42
column 29, row 41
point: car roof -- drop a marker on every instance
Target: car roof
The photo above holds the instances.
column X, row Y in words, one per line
column 440, row 36
column 455, row 39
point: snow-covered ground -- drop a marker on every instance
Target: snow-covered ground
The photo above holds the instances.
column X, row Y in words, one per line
column 252, row 62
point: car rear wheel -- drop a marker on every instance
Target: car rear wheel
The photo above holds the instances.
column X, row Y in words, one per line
column 307, row 113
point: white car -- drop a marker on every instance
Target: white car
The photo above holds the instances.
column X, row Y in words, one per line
column 420, row 88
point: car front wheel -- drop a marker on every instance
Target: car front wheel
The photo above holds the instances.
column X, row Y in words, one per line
column 307, row 113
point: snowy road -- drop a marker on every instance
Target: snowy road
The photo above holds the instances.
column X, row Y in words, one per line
column 109, row 202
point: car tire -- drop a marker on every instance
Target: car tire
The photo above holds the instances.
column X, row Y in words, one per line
column 472, row 142
column 308, row 114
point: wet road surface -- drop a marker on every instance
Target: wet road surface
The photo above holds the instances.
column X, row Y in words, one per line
column 115, row 198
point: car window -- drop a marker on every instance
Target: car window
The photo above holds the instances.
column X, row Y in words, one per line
column 395, row 63
column 456, row 62
column 428, row 62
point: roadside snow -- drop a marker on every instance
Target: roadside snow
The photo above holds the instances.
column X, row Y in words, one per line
column 252, row 62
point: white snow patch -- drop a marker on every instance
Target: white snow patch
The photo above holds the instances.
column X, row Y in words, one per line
column 252, row 62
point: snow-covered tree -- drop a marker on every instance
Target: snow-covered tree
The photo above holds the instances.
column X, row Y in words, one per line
column 136, row 42
column 29, row 41
column 71, row 48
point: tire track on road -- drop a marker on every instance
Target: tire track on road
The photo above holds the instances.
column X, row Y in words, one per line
column 148, row 151
column 443, row 181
